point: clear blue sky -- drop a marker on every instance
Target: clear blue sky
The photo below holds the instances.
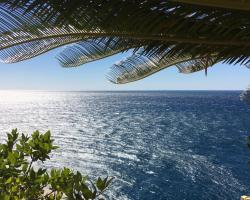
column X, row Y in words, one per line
column 44, row 73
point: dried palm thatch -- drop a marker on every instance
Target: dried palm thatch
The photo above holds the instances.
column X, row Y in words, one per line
column 189, row 34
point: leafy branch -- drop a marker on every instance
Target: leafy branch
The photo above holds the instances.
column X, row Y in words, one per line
column 20, row 180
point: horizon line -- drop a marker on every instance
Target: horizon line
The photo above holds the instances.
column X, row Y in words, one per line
column 155, row 90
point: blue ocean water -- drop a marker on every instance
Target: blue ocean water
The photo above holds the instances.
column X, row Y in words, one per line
column 158, row 145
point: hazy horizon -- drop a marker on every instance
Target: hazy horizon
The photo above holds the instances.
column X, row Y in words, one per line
column 178, row 90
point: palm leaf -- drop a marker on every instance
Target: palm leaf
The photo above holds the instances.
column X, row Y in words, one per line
column 31, row 49
column 137, row 66
column 93, row 49
column 170, row 33
column 22, row 38
column 195, row 65
column 230, row 50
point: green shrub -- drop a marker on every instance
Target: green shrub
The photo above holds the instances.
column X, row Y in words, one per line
column 19, row 179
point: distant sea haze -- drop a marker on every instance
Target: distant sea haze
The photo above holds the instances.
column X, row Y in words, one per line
column 159, row 145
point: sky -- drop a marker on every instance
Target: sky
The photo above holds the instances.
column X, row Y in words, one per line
column 45, row 73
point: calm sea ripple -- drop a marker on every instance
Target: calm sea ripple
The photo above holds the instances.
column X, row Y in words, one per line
column 158, row 145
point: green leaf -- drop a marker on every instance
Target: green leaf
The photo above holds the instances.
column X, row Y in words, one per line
column 46, row 136
column 14, row 188
column 32, row 173
column 25, row 167
column 5, row 197
column 86, row 192
column 100, row 184
column 9, row 180
column 11, row 158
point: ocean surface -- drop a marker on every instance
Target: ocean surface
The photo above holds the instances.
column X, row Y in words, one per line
column 158, row 145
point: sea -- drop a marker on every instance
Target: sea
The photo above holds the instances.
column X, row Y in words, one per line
column 159, row 145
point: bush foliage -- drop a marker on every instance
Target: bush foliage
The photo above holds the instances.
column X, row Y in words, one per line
column 20, row 179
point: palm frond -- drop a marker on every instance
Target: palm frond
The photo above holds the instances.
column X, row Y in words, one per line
column 93, row 49
column 171, row 32
column 22, row 36
column 139, row 66
column 196, row 65
column 31, row 49
column 170, row 29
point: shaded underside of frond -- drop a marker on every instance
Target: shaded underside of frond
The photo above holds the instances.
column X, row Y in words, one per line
column 105, row 12
column 226, row 4
column 176, row 19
